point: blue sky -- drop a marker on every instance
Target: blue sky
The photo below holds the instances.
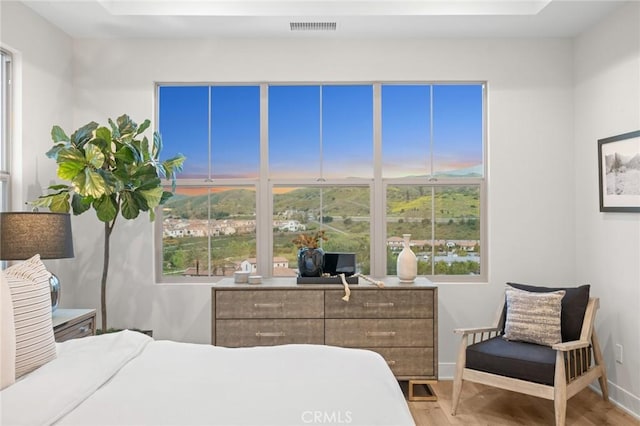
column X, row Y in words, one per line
column 344, row 138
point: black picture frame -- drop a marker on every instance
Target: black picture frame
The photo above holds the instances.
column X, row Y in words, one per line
column 619, row 172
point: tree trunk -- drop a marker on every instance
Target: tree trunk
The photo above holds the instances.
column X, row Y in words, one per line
column 108, row 228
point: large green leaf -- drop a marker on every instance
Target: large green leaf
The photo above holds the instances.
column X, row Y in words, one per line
column 68, row 170
column 173, row 165
column 140, row 200
column 53, row 152
column 152, row 196
column 58, row 135
column 59, row 187
column 106, row 208
column 144, row 149
column 80, row 204
column 157, row 145
column 135, row 149
column 144, row 126
column 114, row 130
column 84, row 134
column 103, row 139
column 126, row 125
column 130, row 209
column 125, row 154
column 150, row 183
column 165, row 196
column 70, row 153
column 91, row 184
column 94, row 155
column 60, row 203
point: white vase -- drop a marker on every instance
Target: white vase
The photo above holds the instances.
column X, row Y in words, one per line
column 407, row 266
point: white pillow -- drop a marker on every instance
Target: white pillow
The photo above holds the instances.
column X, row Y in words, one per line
column 7, row 336
column 533, row 317
column 31, row 295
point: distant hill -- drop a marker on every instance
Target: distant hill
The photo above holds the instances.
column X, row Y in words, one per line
column 410, row 201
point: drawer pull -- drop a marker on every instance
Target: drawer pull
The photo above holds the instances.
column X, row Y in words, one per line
column 378, row 305
column 271, row 334
column 380, row 333
column 391, row 362
column 268, row 305
column 83, row 329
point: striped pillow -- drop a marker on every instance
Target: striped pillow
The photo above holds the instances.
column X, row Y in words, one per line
column 31, row 295
column 533, row 317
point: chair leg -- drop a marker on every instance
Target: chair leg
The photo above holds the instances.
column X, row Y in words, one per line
column 597, row 354
column 457, row 380
column 560, row 390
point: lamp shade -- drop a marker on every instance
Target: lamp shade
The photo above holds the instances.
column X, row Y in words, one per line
column 24, row 234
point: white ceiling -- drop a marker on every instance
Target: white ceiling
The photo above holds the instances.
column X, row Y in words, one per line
column 353, row 18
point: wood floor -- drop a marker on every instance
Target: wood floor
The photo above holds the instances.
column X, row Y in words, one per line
column 484, row 405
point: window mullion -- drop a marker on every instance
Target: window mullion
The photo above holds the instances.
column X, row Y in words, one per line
column 378, row 198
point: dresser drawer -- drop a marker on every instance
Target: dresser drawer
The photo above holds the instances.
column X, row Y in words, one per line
column 269, row 332
column 74, row 330
column 364, row 333
column 408, row 361
column 269, row 304
column 381, row 303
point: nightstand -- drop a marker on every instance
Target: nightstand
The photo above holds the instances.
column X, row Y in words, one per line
column 73, row 323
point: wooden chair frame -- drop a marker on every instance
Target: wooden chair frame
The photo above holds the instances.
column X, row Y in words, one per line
column 567, row 381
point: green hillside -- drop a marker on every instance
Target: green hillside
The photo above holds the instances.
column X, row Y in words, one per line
column 339, row 202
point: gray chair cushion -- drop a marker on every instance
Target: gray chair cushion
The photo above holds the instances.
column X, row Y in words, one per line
column 521, row 360
column 574, row 305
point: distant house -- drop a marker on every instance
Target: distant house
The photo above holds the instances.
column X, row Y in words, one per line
column 292, row 226
column 251, row 265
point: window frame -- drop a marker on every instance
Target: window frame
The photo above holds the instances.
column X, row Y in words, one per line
column 6, row 96
column 378, row 187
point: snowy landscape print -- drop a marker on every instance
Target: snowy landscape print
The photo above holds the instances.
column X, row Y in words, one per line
column 620, row 172
column 623, row 174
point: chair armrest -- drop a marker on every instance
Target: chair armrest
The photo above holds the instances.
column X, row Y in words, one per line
column 571, row 346
column 465, row 331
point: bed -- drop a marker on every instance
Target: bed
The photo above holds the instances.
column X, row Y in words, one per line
column 127, row 378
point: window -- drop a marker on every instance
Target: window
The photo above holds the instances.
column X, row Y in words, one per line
column 5, row 128
column 365, row 163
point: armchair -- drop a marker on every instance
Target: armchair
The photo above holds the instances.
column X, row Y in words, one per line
column 556, row 372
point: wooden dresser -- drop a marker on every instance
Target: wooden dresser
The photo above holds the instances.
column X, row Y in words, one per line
column 399, row 321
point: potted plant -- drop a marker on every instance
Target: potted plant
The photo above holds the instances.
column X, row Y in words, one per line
column 112, row 170
column 310, row 256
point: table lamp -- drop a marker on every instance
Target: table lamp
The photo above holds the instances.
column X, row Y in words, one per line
column 25, row 234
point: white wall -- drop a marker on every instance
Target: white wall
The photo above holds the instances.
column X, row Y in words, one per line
column 530, row 156
column 43, row 62
column 607, row 103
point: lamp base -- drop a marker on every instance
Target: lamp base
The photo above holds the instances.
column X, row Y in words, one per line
column 54, row 282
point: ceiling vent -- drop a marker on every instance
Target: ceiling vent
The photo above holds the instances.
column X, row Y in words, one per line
column 312, row 26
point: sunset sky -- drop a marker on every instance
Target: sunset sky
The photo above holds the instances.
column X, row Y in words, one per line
column 298, row 139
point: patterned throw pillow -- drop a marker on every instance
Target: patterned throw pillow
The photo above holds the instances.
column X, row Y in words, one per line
column 31, row 295
column 7, row 336
column 533, row 317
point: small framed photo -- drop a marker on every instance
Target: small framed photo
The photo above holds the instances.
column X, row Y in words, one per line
column 619, row 169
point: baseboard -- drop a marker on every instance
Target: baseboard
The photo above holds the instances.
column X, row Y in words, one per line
column 446, row 370
column 618, row 396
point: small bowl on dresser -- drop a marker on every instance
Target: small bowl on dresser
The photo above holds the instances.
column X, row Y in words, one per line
column 255, row 279
column 241, row 277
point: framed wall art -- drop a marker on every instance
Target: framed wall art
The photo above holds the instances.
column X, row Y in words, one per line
column 619, row 170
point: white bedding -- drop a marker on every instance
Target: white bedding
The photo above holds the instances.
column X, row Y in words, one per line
column 128, row 378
